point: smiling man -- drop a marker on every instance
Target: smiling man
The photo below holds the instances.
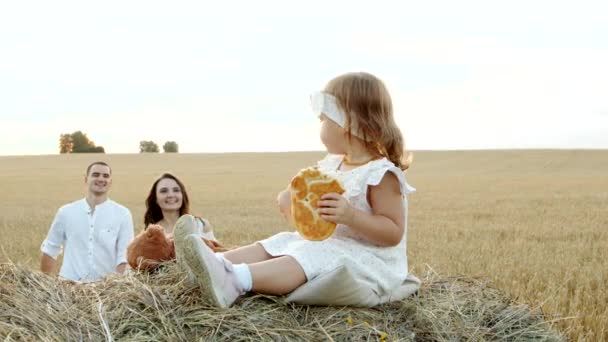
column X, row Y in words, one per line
column 93, row 232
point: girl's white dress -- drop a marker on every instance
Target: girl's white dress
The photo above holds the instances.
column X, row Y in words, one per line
column 383, row 269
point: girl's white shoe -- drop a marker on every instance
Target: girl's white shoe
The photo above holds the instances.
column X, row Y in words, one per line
column 214, row 275
column 185, row 226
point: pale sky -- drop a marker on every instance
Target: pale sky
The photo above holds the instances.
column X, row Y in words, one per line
column 236, row 75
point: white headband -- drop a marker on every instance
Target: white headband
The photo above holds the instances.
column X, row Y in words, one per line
column 323, row 103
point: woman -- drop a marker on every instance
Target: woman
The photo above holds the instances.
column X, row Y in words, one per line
column 167, row 201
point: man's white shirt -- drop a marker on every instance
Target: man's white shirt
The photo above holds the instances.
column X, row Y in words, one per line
column 94, row 242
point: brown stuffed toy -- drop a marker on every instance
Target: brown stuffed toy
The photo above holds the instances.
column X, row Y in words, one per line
column 151, row 247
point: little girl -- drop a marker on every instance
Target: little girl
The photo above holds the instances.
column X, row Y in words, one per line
column 366, row 154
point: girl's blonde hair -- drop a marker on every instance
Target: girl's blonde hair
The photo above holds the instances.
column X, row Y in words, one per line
column 368, row 106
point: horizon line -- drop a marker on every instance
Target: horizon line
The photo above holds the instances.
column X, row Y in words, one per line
column 320, row 151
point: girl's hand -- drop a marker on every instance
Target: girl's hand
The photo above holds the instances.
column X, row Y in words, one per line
column 335, row 208
column 284, row 203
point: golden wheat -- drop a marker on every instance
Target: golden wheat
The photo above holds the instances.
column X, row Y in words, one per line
column 532, row 222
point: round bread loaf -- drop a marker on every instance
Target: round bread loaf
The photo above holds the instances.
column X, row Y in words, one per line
column 307, row 187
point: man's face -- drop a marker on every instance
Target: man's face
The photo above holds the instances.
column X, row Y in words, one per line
column 99, row 179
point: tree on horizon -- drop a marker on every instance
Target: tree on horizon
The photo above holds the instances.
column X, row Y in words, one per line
column 148, row 146
column 78, row 142
column 66, row 144
column 171, row 147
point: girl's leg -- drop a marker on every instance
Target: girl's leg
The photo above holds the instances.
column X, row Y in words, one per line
column 277, row 276
column 222, row 286
column 247, row 254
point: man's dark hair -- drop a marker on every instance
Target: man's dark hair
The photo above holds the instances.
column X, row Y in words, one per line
column 97, row 163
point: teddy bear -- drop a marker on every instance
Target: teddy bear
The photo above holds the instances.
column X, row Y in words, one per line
column 152, row 246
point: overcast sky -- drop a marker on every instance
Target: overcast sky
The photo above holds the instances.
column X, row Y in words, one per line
column 236, row 76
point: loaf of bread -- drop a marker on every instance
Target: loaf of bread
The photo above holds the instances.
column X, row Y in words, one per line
column 307, row 187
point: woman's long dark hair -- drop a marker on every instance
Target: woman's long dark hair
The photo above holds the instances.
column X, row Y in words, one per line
column 153, row 212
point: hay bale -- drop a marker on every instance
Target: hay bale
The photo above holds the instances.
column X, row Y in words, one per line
column 142, row 307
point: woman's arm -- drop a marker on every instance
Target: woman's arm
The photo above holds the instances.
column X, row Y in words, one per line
column 384, row 226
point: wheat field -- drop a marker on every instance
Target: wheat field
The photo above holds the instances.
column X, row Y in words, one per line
column 534, row 223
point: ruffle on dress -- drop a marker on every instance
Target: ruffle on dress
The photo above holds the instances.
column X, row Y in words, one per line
column 364, row 175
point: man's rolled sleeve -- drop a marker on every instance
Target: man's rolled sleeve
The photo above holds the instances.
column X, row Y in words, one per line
column 53, row 244
column 125, row 236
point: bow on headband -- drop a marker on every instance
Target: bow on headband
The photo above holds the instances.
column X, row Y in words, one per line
column 323, row 103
